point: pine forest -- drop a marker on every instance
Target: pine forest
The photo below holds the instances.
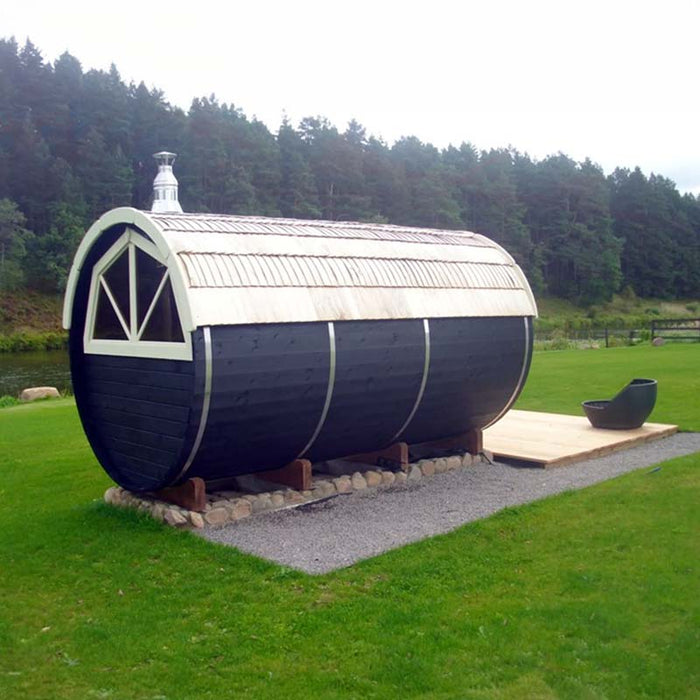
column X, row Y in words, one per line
column 74, row 144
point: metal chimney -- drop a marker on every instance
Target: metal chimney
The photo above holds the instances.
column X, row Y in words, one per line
column 165, row 185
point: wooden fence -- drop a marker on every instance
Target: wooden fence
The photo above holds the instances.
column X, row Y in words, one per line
column 676, row 328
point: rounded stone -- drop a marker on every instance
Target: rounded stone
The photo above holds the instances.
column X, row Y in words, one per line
column 343, row 484
column 427, row 466
column 373, row 478
column 293, row 497
column 324, row 488
column 277, row 500
column 262, row 502
column 196, row 519
column 358, row 481
column 414, row 473
column 174, row 518
column 400, row 477
column 111, row 495
column 239, row 508
column 440, row 465
column 454, row 462
column 39, row 392
column 467, row 460
column 217, row 516
column 388, row 478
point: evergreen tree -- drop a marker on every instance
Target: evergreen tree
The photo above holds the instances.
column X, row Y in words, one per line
column 74, row 144
column 297, row 192
column 13, row 245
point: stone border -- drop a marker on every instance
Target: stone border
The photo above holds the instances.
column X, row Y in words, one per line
column 224, row 507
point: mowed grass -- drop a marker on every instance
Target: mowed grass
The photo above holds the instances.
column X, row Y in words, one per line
column 560, row 380
column 591, row 594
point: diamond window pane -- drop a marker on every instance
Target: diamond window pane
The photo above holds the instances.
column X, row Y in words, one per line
column 117, row 277
column 164, row 324
column 149, row 273
column 107, row 326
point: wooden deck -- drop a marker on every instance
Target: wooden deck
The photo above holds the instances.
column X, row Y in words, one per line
column 553, row 440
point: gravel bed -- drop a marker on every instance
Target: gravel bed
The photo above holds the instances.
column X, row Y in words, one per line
column 321, row 536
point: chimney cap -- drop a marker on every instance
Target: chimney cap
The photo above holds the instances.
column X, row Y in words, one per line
column 165, row 157
column 165, row 199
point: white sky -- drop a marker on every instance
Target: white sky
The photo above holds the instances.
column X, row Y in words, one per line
column 615, row 80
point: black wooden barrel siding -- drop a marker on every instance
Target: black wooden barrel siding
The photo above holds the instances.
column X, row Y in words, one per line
column 140, row 415
column 269, row 385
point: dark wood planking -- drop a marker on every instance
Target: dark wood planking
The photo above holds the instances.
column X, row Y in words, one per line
column 155, row 417
column 138, row 436
column 474, row 368
column 152, row 455
column 152, row 394
column 379, row 367
column 269, row 388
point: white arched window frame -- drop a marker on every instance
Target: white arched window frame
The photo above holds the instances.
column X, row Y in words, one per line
column 132, row 345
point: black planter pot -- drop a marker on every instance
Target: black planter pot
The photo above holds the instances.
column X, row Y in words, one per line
column 627, row 410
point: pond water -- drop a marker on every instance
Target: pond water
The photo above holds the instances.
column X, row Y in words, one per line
column 19, row 370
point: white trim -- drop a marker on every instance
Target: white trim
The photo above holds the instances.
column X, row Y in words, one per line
column 132, row 288
column 206, row 401
column 142, row 222
column 154, row 301
column 329, row 390
column 133, row 346
column 521, row 380
column 424, row 381
column 115, row 307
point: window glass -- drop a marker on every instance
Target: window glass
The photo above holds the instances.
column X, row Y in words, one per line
column 149, row 273
column 107, row 326
column 117, row 278
column 164, row 324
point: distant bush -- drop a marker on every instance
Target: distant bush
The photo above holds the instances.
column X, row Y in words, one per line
column 693, row 308
column 24, row 342
column 6, row 401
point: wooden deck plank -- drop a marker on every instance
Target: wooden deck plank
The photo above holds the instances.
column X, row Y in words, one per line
column 552, row 439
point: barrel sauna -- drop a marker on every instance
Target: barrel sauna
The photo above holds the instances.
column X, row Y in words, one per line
column 213, row 346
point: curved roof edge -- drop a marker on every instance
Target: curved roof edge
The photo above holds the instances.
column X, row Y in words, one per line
column 128, row 215
column 202, row 299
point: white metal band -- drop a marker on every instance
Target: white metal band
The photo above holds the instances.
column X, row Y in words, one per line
column 424, row 381
column 329, row 391
column 521, row 379
column 205, row 403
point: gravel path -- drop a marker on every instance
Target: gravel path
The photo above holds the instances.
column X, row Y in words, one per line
column 326, row 535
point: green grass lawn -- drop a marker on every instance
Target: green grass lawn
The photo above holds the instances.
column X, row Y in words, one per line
column 561, row 379
column 590, row 594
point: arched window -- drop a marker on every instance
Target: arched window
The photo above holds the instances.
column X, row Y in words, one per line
column 132, row 309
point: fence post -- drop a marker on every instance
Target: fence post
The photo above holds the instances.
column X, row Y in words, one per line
column 606, row 337
column 653, row 330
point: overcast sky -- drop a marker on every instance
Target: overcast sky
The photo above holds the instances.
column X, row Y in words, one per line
column 615, row 81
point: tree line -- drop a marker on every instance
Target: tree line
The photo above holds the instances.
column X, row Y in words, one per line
column 74, row 144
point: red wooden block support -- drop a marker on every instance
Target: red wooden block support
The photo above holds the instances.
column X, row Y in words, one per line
column 471, row 441
column 192, row 494
column 296, row 474
column 393, row 457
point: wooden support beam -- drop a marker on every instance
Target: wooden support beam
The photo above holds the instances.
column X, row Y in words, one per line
column 471, row 441
column 393, row 457
column 191, row 494
column 296, row 474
